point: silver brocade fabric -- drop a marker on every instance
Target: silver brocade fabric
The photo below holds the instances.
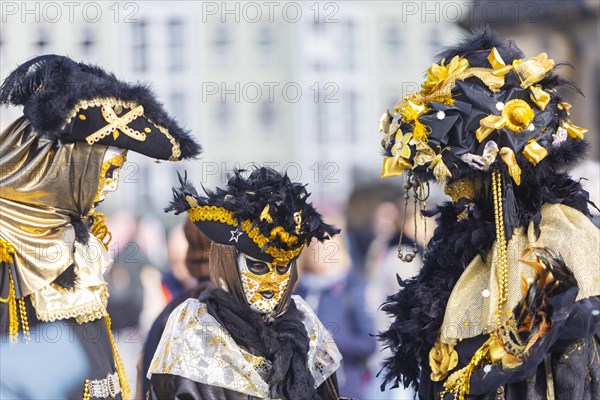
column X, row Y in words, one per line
column 196, row 347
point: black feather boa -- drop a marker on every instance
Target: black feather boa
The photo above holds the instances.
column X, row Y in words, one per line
column 419, row 306
column 284, row 342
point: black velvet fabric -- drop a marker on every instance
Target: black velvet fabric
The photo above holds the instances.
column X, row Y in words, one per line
column 284, row 342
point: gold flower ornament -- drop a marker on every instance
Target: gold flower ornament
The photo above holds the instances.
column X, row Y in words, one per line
column 442, row 359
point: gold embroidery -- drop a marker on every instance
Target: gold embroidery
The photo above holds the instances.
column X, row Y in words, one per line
column 85, row 104
column 117, row 124
column 461, row 188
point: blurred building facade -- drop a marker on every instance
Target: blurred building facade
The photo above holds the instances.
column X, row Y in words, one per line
column 297, row 85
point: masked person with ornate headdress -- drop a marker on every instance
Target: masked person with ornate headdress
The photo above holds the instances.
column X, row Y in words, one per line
column 506, row 304
column 58, row 162
column 248, row 337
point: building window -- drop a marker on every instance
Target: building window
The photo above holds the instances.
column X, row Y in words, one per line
column 223, row 116
column 267, row 116
column 321, row 120
column 139, row 44
column 176, row 45
column 178, row 105
column 349, row 44
column 393, row 43
column 221, row 44
column 266, row 44
column 43, row 40
column 88, row 42
column 351, row 110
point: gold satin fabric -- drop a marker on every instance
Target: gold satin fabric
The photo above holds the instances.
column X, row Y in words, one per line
column 44, row 184
column 566, row 230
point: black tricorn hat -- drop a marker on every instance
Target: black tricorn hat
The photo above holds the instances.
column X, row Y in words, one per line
column 77, row 102
column 264, row 215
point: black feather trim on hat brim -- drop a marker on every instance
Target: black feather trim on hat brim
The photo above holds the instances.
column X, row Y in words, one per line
column 54, row 90
column 262, row 214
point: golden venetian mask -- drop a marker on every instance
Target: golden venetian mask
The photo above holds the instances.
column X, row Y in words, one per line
column 263, row 283
column 114, row 159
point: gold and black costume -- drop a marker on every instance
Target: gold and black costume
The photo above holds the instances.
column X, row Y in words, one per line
column 248, row 337
column 507, row 302
column 57, row 164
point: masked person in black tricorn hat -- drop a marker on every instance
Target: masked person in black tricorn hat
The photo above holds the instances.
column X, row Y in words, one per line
column 507, row 302
column 58, row 162
column 248, row 337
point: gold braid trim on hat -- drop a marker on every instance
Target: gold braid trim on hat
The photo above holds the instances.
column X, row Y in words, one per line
column 224, row 216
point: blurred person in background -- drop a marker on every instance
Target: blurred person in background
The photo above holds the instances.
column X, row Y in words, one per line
column 59, row 161
column 124, row 277
column 383, row 269
column 196, row 262
column 151, row 236
column 335, row 291
column 133, row 283
column 177, row 277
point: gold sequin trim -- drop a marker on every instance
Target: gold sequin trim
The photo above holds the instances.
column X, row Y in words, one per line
column 220, row 214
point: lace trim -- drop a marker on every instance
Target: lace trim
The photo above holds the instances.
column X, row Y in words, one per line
column 82, row 314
